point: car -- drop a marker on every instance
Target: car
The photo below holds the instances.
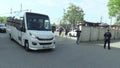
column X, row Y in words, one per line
column 72, row 33
column 2, row 28
column 57, row 29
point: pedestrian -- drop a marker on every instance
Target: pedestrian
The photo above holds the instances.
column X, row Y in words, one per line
column 66, row 31
column 53, row 29
column 107, row 37
column 60, row 31
column 78, row 31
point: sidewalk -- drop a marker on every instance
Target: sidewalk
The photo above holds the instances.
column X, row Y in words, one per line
column 72, row 40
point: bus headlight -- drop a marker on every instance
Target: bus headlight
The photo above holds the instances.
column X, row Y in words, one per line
column 33, row 36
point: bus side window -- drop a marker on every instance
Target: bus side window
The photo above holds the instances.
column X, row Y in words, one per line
column 23, row 25
column 17, row 23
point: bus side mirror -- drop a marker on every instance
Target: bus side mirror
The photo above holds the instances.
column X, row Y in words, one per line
column 22, row 29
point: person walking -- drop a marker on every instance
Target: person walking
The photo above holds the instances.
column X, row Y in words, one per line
column 60, row 31
column 66, row 32
column 78, row 31
column 107, row 37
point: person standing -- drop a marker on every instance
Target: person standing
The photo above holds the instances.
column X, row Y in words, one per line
column 78, row 31
column 53, row 29
column 107, row 37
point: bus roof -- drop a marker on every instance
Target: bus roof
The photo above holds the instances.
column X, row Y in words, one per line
column 35, row 13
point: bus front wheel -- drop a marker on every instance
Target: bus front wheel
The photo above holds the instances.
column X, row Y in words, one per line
column 26, row 46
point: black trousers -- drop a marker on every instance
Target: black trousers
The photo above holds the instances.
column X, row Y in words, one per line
column 60, row 33
column 105, row 42
column 78, row 40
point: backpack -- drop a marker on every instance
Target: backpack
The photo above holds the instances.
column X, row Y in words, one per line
column 107, row 35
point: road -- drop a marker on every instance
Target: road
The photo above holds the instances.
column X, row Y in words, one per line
column 66, row 55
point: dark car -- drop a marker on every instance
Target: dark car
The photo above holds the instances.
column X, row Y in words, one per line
column 2, row 28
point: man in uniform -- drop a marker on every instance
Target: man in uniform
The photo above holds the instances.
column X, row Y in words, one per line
column 78, row 31
column 107, row 37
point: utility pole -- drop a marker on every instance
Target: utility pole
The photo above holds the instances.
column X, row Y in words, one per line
column 11, row 11
column 30, row 10
column 110, row 22
column 21, row 7
column 101, row 20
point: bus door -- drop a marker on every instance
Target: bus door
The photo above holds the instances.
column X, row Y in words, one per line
column 21, row 31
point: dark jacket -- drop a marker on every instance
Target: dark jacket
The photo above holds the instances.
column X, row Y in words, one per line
column 107, row 35
column 61, row 29
column 78, row 32
column 66, row 31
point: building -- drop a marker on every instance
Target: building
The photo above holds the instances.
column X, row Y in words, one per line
column 86, row 23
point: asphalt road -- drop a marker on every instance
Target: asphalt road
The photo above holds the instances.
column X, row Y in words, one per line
column 66, row 55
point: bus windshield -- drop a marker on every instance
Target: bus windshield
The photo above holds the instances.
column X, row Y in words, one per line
column 37, row 22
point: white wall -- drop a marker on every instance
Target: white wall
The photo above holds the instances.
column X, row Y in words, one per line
column 97, row 33
column 101, row 33
column 85, row 34
column 94, row 34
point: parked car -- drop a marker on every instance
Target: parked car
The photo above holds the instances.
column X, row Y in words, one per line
column 2, row 28
column 72, row 33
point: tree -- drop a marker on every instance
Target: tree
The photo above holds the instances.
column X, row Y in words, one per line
column 53, row 24
column 117, row 23
column 63, row 23
column 114, row 9
column 74, row 15
column 3, row 19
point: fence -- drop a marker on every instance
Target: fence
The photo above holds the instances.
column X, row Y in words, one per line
column 97, row 33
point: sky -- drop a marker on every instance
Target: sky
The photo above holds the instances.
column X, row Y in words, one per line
column 93, row 9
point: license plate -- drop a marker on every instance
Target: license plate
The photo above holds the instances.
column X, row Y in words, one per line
column 45, row 46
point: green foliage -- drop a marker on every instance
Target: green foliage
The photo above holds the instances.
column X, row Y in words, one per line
column 114, row 10
column 3, row 19
column 117, row 23
column 118, row 18
column 63, row 24
column 114, row 7
column 73, row 15
column 53, row 24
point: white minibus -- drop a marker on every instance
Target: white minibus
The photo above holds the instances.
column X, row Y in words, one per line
column 31, row 30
